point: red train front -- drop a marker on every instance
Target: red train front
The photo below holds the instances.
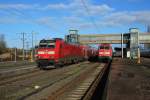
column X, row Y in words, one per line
column 105, row 52
column 57, row 52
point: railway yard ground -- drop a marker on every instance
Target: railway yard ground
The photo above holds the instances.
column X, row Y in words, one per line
column 14, row 66
column 123, row 79
column 12, row 69
column 54, row 84
column 129, row 80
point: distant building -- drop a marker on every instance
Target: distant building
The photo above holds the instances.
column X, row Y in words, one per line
column 148, row 30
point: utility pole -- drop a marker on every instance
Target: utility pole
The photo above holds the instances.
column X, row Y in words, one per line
column 15, row 54
column 139, row 58
column 23, row 44
column 122, row 45
column 23, row 40
column 27, row 48
column 32, row 51
column 11, row 54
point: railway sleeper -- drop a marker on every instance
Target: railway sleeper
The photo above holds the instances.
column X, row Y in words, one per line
column 81, row 92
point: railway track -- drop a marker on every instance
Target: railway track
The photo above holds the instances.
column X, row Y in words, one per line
column 86, row 89
column 83, row 91
column 59, row 84
column 79, row 86
column 6, row 75
column 22, row 86
column 22, row 76
column 8, row 78
column 14, row 65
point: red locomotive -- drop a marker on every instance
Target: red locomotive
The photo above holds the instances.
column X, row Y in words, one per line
column 105, row 52
column 56, row 52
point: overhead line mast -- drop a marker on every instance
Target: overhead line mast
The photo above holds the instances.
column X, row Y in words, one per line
column 23, row 44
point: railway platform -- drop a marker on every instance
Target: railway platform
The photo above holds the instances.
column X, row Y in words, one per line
column 129, row 80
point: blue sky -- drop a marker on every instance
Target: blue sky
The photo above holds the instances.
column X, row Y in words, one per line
column 53, row 18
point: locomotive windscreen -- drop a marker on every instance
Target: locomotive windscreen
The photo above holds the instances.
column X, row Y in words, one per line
column 104, row 47
column 107, row 47
column 47, row 44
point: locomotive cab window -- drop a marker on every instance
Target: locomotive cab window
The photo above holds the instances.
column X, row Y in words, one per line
column 101, row 47
column 104, row 47
column 42, row 45
column 51, row 45
column 47, row 44
column 107, row 48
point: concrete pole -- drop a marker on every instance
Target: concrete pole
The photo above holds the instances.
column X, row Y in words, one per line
column 23, row 40
column 32, row 47
column 23, row 44
column 27, row 48
column 122, row 45
column 15, row 54
column 139, row 60
column 32, row 51
column 11, row 54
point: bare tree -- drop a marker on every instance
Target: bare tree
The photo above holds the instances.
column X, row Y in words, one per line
column 3, row 47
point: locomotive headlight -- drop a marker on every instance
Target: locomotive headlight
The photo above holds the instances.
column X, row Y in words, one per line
column 100, row 52
column 107, row 53
column 51, row 52
column 40, row 52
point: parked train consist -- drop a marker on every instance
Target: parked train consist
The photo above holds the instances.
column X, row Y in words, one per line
column 56, row 52
column 105, row 52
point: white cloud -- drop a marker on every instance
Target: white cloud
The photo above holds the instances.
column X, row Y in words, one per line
column 118, row 18
column 14, row 20
column 44, row 20
column 103, row 15
column 142, row 16
column 76, row 7
column 114, row 19
column 18, row 6
column 59, row 6
column 50, row 22
column 100, row 9
column 127, row 18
